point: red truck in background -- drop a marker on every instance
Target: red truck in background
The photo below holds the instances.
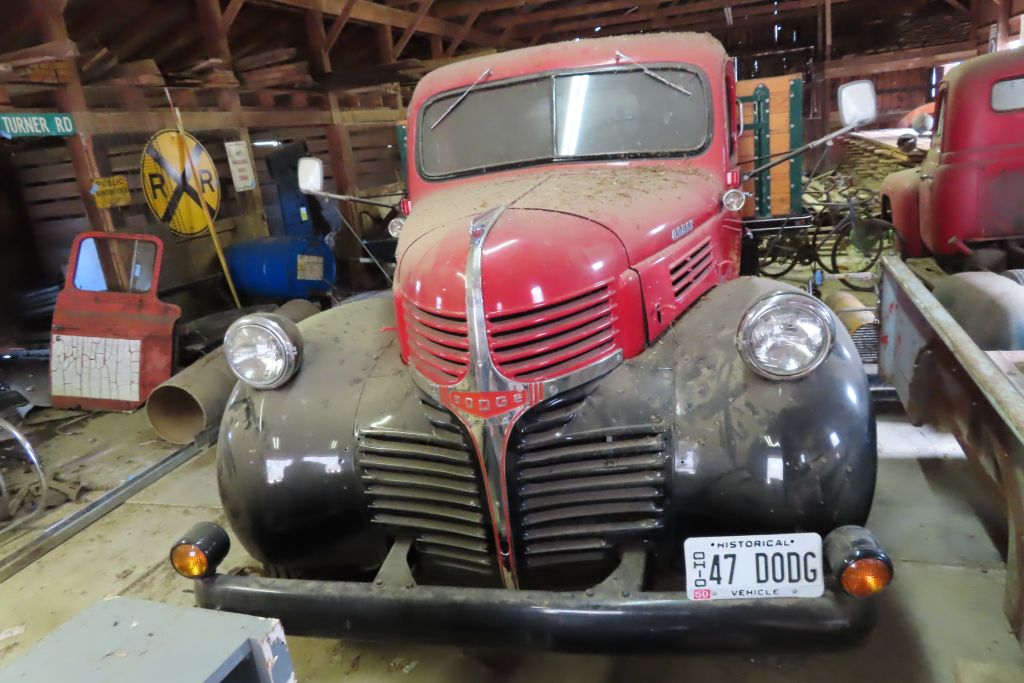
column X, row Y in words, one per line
column 968, row 194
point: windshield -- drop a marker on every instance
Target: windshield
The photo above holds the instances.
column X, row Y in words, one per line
column 657, row 112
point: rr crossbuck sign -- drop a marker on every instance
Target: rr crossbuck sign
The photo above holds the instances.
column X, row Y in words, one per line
column 172, row 193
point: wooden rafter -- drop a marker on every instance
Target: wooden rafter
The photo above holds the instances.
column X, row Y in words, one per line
column 457, row 40
column 462, row 8
column 229, row 15
column 678, row 17
column 958, row 6
column 339, row 23
column 383, row 15
column 641, row 8
column 651, row 14
column 319, row 54
column 414, row 24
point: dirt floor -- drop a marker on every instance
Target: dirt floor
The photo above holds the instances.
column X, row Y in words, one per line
column 942, row 620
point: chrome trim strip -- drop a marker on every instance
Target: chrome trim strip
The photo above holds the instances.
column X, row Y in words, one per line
column 490, row 433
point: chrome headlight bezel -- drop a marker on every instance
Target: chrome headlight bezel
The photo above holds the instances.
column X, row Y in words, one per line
column 770, row 303
column 734, row 199
column 284, row 332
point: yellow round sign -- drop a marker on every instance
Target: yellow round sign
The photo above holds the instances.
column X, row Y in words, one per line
column 173, row 194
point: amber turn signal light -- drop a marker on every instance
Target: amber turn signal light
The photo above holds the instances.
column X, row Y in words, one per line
column 189, row 560
column 197, row 554
column 865, row 577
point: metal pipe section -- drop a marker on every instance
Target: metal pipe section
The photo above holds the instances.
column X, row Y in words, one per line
column 64, row 529
column 851, row 311
column 37, row 465
column 194, row 399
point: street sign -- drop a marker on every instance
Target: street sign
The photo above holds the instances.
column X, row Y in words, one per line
column 243, row 177
column 36, row 125
column 172, row 193
column 111, row 191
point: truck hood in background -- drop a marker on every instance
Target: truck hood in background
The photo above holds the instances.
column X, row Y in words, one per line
column 639, row 204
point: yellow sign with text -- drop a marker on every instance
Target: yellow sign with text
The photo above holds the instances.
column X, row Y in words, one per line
column 111, row 191
column 173, row 194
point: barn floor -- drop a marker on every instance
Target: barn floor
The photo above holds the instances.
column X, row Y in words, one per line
column 942, row 620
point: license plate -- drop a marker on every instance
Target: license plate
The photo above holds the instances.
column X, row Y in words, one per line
column 745, row 567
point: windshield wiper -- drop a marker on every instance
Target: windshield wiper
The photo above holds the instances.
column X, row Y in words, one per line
column 653, row 75
column 457, row 102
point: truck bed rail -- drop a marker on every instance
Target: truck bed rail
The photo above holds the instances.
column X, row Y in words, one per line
column 942, row 377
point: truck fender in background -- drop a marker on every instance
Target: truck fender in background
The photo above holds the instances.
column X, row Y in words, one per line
column 988, row 306
column 900, row 200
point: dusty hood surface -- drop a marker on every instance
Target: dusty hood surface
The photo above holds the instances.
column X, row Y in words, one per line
column 639, row 204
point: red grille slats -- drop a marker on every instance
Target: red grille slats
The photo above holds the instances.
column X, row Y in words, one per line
column 507, row 354
column 532, row 366
column 499, row 323
column 541, row 331
column 691, row 268
column 555, row 338
column 439, row 342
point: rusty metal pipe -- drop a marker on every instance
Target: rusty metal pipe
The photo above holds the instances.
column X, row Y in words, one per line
column 194, row 399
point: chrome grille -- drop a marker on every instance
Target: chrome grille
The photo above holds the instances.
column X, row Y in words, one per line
column 429, row 486
column 866, row 341
column 578, row 496
column 556, row 338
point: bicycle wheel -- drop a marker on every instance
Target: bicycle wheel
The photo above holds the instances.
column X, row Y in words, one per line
column 777, row 254
column 859, row 253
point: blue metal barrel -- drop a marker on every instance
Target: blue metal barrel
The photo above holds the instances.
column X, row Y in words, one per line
column 281, row 267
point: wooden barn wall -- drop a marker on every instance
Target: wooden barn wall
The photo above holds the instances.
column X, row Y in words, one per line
column 898, row 92
column 57, row 212
column 375, row 156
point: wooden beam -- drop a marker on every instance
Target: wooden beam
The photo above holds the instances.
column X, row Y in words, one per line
column 373, row 13
column 586, row 12
column 229, row 16
column 436, row 47
column 1002, row 8
column 386, row 44
column 916, row 58
column 339, row 23
column 318, row 53
column 210, row 21
column 49, row 19
column 457, row 40
column 463, row 8
column 955, row 4
column 828, row 29
column 411, row 28
column 705, row 21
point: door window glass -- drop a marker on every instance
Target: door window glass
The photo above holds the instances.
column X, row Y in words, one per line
column 1008, row 95
column 109, row 265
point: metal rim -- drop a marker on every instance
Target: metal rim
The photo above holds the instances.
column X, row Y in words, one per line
column 782, row 300
column 284, row 332
column 733, row 192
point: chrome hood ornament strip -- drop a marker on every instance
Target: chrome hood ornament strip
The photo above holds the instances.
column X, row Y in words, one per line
column 488, row 403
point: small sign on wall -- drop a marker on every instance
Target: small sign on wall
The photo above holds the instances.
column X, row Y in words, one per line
column 45, row 125
column 243, row 176
column 111, row 191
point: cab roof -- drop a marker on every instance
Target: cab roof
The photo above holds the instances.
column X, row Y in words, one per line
column 975, row 77
column 699, row 49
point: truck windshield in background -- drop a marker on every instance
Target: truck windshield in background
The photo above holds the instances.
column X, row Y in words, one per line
column 620, row 113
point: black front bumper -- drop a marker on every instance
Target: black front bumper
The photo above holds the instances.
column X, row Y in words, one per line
column 594, row 621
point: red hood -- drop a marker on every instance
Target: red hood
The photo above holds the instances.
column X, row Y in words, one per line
column 639, row 203
column 531, row 257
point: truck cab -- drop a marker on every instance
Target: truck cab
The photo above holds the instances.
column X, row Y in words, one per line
column 967, row 192
column 570, row 423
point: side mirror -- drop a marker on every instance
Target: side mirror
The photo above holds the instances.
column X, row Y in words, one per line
column 311, row 175
column 857, row 103
column 923, row 123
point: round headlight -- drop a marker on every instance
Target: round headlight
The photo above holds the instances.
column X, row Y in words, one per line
column 786, row 335
column 734, row 199
column 264, row 350
column 395, row 227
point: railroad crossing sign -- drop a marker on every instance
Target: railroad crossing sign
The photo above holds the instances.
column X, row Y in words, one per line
column 172, row 193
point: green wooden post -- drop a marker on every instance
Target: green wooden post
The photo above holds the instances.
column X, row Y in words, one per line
column 761, row 128
column 796, row 139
